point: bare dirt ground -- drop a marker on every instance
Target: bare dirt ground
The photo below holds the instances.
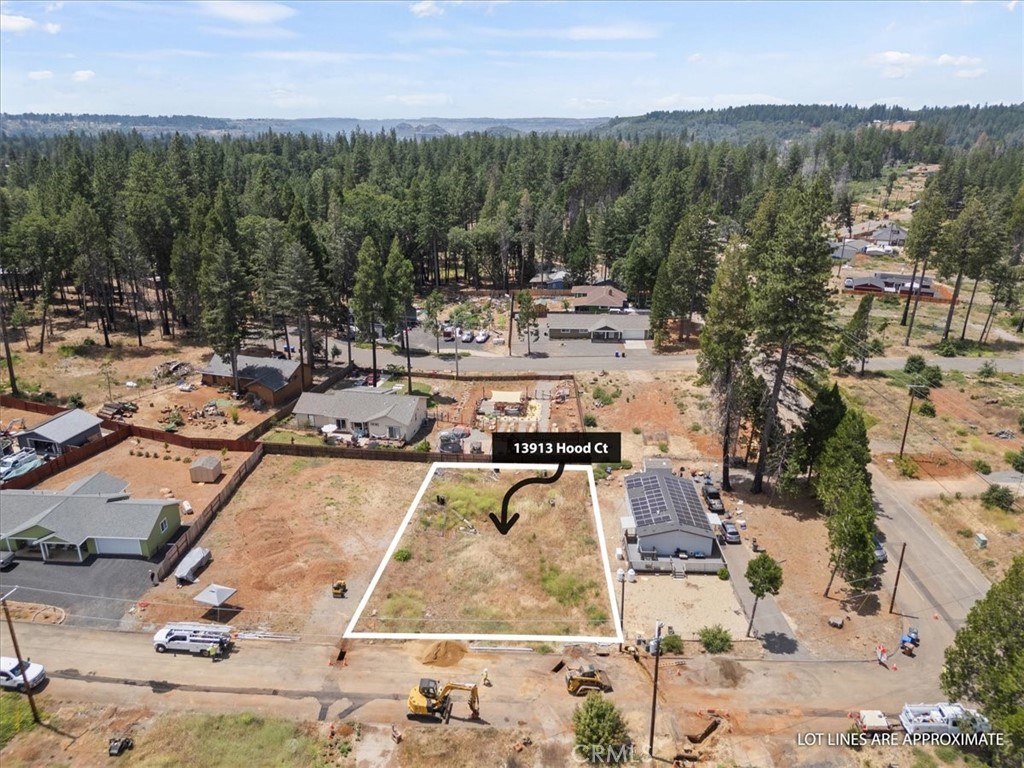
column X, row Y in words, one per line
column 292, row 528
column 152, row 476
column 546, row 577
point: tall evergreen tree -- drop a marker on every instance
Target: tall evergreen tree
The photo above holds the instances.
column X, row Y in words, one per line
column 226, row 303
column 724, row 351
column 853, row 342
column 369, row 295
column 792, row 306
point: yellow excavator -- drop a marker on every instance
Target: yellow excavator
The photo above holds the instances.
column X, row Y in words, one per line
column 428, row 699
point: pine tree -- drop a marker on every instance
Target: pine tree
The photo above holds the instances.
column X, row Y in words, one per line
column 792, row 307
column 226, row 303
column 724, row 351
column 369, row 296
column 526, row 318
column 854, row 341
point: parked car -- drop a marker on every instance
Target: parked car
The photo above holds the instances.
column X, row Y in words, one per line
column 713, row 498
column 20, row 678
column 448, row 333
column 730, row 533
column 881, row 555
column 6, row 559
column 483, row 336
column 467, row 337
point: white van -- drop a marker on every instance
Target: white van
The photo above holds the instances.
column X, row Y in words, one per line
column 192, row 638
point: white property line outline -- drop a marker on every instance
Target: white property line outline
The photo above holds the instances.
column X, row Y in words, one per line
column 350, row 632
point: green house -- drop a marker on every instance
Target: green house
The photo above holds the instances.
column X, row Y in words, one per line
column 93, row 516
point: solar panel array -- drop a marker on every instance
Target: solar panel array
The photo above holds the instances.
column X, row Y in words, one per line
column 649, row 505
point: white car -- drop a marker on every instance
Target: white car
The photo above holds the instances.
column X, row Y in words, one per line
column 11, row 676
column 483, row 336
column 467, row 337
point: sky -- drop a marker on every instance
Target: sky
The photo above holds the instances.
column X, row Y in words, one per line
column 501, row 59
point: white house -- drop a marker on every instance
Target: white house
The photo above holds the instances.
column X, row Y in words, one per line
column 666, row 517
column 363, row 412
column 603, row 327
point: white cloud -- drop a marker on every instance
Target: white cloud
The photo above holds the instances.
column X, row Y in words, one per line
column 957, row 61
column 613, row 32
column 425, row 8
column 578, row 103
column 1011, row 5
column 695, row 57
column 970, row 74
column 18, row 24
column 591, row 55
column 161, row 53
column 249, row 33
column 83, row 75
column 40, row 74
column 247, row 11
column 421, row 99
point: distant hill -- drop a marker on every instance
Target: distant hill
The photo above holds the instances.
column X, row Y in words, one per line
column 776, row 124
column 427, row 127
column 780, row 123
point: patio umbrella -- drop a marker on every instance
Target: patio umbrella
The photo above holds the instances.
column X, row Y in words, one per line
column 215, row 595
column 329, row 429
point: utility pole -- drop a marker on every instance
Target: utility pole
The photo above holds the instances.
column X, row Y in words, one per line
column 621, row 576
column 654, row 695
column 17, row 653
column 511, row 315
column 906, row 426
column 899, row 570
column 408, row 358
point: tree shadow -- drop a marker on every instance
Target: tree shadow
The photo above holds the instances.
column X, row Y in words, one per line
column 779, row 643
column 863, row 604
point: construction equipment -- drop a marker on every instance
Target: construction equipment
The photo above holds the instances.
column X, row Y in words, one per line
column 427, row 699
column 339, row 588
column 582, row 680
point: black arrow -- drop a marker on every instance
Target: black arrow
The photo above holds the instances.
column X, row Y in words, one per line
column 504, row 523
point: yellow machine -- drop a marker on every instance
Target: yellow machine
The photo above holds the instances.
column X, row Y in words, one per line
column 339, row 588
column 427, row 699
column 582, row 680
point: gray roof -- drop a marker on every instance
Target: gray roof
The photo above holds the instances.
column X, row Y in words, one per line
column 268, row 371
column 589, row 322
column 207, row 462
column 847, row 249
column 100, row 483
column 63, row 426
column 75, row 514
column 661, row 502
column 557, row 275
column 359, row 405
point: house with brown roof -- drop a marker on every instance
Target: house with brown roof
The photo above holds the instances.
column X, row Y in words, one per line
column 597, row 298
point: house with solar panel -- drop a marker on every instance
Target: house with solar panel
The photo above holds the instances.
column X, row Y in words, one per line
column 668, row 530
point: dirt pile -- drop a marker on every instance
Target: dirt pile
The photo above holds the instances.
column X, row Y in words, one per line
column 444, row 653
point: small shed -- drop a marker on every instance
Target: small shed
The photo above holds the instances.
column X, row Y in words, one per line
column 205, row 469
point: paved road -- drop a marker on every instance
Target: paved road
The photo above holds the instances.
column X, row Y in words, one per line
column 938, row 584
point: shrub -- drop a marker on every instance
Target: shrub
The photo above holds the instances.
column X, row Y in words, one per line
column 599, row 728
column 723, row 573
column 75, row 400
column 589, row 420
column 695, row 427
column 423, row 446
column 1020, row 420
column 672, row 644
column 177, row 458
column 131, row 452
column 914, row 364
column 965, row 532
column 987, row 370
column 636, row 430
column 146, row 454
column 907, row 466
column 543, row 648
column 187, row 460
column 999, row 496
column 1016, row 460
column 946, row 348
column 932, row 375
column 663, row 447
column 715, row 639
column 927, row 408
column 167, row 457
column 982, row 467
column 403, row 555
column 233, row 413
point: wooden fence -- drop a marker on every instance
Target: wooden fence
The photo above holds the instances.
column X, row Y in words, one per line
column 60, row 463
column 202, row 520
column 370, row 454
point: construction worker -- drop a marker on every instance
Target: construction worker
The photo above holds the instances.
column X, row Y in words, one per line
column 486, row 680
column 213, row 651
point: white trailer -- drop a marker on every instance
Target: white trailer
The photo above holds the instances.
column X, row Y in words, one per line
column 942, row 718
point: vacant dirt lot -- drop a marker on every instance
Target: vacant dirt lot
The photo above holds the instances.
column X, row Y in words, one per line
column 961, row 518
column 459, row 575
column 292, row 528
